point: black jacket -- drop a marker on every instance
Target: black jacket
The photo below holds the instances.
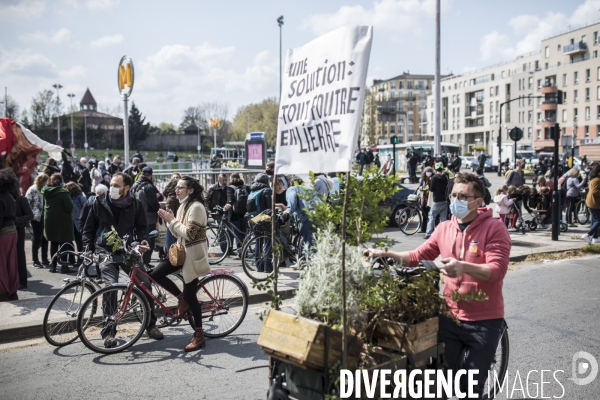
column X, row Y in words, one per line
column 218, row 196
column 438, row 185
column 8, row 209
column 145, row 192
column 266, row 198
column 24, row 213
column 132, row 221
column 85, row 179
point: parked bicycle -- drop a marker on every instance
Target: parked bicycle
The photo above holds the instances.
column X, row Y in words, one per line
column 258, row 257
column 122, row 309
column 411, row 217
column 222, row 236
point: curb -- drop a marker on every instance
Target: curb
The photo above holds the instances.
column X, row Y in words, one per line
column 25, row 331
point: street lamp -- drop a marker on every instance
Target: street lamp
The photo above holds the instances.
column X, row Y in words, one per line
column 57, row 86
column 573, row 144
column 71, row 95
column 280, row 23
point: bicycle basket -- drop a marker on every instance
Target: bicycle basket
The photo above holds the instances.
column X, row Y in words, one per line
column 261, row 223
column 412, row 198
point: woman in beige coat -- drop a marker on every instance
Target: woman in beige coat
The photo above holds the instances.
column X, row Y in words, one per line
column 189, row 227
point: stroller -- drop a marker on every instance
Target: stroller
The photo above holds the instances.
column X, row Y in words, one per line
column 516, row 220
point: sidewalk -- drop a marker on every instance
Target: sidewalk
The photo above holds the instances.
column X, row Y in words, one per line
column 22, row 319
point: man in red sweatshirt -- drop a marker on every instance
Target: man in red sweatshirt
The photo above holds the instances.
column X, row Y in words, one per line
column 475, row 251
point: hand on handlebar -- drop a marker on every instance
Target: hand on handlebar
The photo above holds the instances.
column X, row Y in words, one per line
column 144, row 246
column 373, row 253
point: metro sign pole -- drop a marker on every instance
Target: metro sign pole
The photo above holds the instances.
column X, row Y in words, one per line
column 125, row 82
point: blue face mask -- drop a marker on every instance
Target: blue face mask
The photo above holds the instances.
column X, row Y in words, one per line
column 62, row 184
column 459, row 208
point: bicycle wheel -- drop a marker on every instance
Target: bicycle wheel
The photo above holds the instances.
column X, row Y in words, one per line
column 118, row 315
column 164, row 296
column 583, row 212
column 410, row 221
column 498, row 368
column 224, row 300
column 258, row 258
column 60, row 320
column 218, row 248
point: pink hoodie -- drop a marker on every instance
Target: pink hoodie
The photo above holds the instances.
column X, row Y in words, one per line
column 485, row 241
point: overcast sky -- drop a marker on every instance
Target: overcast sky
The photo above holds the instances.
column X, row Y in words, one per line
column 188, row 52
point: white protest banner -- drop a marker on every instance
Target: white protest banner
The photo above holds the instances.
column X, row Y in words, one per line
column 322, row 101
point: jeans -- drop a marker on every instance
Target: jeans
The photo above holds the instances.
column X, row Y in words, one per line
column 479, row 341
column 39, row 241
column 263, row 250
column 169, row 240
column 159, row 274
column 440, row 209
column 593, row 232
column 307, row 232
column 110, row 275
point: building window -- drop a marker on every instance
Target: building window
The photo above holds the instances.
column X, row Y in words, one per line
column 587, row 75
column 491, row 91
column 529, row 116
column 529, row 131
column 539, row 134
column 564, row 115
column 586, row 130
column 598, row 94
column 587, row 94
column 539, row 85
column 491, row 119
column 547, row 51
column 595, row 54
column 539, row 117
column 394, row 85
column 503, row 74
column 587, row 113
column 530, row 85
column 529, row 101
column 575, row 78
column 598, row 112
column 575, row 96
column 546, row 66
column 491, row 107
column 410, row 86
column 575, row 114
column 458, row 136
column 546, row 133
column 564, row 79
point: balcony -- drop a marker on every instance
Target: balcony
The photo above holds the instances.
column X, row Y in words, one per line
column 575, row 48
column 546, row 89
column 548, row 123
column 548, row 106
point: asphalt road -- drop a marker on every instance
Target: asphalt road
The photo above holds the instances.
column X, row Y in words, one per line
column 552, row 310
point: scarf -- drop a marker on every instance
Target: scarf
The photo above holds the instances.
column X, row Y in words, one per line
column 122, row 202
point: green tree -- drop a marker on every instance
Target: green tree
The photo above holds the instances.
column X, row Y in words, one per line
column 259, row 117
column 138, row 127
column 12, row 108
column 43, row 109
column 164, row 128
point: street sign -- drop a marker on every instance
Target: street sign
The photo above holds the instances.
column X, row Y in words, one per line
column 125, row 76
column 516, row 134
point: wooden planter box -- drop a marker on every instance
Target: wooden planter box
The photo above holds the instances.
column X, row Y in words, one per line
column 301, row 341
column 419, row 337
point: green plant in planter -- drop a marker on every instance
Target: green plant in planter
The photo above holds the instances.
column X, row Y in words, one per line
column 319, row 294
column 364, row 216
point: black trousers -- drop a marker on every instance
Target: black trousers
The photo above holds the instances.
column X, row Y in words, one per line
column 478, row 340
column 21, row 259
column 39, row 241
column 571, row 211
column 159, row 274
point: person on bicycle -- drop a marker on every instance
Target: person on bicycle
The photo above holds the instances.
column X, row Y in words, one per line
column 124, row 213
column 189, row 227
column 475, row 250
column 438, row 186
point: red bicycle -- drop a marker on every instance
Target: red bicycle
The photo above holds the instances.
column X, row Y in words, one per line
column 122, row 310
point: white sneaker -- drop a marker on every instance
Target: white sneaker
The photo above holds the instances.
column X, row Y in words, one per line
column 587, row 238
column 596, row 240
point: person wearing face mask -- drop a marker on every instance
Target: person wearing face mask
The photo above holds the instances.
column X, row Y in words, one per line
column 121, row 211
column 475, row 250
column 438, row 186
column 58, row 210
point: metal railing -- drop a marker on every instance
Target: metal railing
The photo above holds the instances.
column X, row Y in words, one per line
column 206, row 177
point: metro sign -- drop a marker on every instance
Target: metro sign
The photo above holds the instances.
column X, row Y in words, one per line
column 125, row 76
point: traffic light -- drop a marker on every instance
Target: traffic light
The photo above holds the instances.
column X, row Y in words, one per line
column 559, row 97
column 394, row 139
column 499, row 141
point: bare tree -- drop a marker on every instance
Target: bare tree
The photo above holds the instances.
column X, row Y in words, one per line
column 43, row 109
column 12, row 108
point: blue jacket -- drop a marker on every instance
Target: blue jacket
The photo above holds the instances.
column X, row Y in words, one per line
column 78, row 203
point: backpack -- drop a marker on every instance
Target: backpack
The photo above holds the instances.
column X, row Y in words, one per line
column 369, row 157
column 253, row 207
column 241, row 199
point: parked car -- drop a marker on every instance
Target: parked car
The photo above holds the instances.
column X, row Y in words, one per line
column 171, row 156
column 397, row 202
column 489, row 167
column 466, row 161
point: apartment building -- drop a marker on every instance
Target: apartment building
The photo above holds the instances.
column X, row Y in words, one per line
column 396, row 107
column 471, row 102
column 569, row 62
